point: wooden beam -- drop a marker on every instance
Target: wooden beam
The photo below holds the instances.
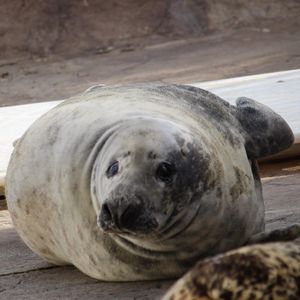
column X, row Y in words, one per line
column 280, row 91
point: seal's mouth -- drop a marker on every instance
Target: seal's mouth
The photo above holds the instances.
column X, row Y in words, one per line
column 161, row 241
column 140, row 228
column 136, row 249
column 155, row 250
column 178, row 223
column 139, row 222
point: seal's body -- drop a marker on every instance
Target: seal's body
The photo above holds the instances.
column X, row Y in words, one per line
column 138, row 182
column 258, row 272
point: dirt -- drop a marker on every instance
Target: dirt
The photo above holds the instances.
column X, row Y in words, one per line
column 53, row 49
column 75, row 27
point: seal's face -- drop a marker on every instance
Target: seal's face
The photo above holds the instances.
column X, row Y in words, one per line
column 149, row 175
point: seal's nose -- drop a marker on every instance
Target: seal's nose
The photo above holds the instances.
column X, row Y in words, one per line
column 107, row 218
column 122, row 216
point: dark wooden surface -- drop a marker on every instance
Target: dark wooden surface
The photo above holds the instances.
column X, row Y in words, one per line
column 23, row 275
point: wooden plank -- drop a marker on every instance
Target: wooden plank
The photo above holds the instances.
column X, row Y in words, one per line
column 3, row 204
column 282, row 201
column 23, row 275
column 68, row 283
column 14, row 120
column 280, row 91
column 279, row 168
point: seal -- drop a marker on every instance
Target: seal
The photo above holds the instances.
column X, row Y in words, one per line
column 269, row 271
column 138, row 182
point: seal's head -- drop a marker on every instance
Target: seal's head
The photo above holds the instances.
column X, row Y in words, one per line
column 147, row 178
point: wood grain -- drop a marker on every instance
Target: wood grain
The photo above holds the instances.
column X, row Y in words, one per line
column 23, row 275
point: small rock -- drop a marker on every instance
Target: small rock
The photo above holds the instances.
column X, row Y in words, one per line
column 266, row 30
column 4, row 75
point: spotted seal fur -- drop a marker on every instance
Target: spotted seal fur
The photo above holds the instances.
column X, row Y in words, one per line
column 258, row 272
column 140, row 181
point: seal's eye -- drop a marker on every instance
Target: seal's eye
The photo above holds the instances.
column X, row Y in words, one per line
column 165, row 172
column 113, row 169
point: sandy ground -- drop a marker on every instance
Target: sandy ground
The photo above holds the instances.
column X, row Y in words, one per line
column 235, row 53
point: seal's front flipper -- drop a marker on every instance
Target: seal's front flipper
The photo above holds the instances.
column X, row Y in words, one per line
column 265, row 132
column 278, row 235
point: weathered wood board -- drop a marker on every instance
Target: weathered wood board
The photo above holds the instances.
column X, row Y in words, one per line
column 280, row 91
column 23, row 275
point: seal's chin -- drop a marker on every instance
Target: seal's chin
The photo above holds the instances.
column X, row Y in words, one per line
column 139, row 248
column 141, row 232
column 152, row 245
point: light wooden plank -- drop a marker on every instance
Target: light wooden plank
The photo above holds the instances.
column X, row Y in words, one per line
column 280, row 91
column 14, row 120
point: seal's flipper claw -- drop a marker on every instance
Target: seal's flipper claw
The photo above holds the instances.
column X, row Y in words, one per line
column 265, row 132
column 94, row 87
column 278, row 235
column 15, row 142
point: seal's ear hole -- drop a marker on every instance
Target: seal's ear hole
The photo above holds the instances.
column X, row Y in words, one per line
column 152, row 155
column 113, row 169
column 165, row 172
column 183, row 152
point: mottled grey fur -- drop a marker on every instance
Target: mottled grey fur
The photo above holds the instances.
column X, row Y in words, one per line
column 257, row 272
column 132, row 225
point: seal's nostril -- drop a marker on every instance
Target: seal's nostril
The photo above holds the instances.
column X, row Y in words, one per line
column 106, row 214
column 106, row 219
